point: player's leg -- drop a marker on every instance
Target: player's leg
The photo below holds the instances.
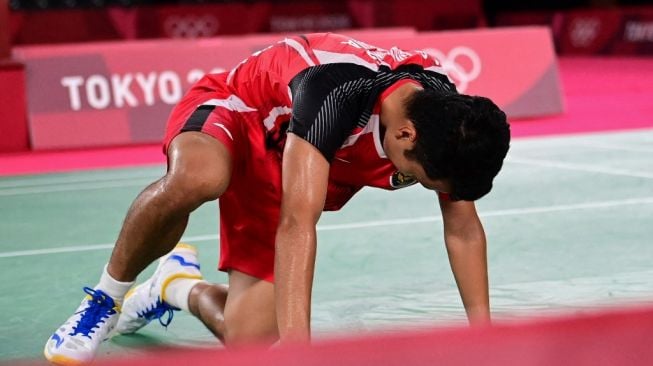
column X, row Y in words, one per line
column 207, row 301
column 249, row 218
column 199, row 168
column 239, row 313
column 242, row 313
column 247, row 226
column 167, row 290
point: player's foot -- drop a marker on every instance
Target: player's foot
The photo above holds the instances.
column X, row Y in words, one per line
column 77, row 340
column 146, row 302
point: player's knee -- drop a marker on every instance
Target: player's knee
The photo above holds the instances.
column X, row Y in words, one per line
column 243, row 330
column 247, row 334
column 213, row 294
column 199, row 167
column 196, row 186
column 210, row 306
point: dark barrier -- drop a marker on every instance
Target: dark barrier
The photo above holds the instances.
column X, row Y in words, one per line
column 4, row 30
column 624, row 31
column 237, row 17
column 14, row 134
column 609, row 31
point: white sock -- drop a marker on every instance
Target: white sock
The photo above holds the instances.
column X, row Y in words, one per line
column 113, row 287
column 178, row 291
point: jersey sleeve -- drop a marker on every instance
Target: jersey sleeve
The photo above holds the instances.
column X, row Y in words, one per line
column 328, row 101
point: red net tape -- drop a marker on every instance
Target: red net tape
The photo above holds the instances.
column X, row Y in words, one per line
column 616, row 338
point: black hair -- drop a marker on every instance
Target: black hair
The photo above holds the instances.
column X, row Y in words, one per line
column 461, row 138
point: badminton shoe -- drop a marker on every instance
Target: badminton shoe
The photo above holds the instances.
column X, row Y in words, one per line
column 77, row 340
column 147, row 301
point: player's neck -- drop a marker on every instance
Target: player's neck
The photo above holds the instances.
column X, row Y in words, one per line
column 392, row 107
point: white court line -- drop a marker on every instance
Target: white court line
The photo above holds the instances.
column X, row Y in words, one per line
column 551, row 145
column 599, row 145
column 579, row 167
column 90, row 247
column 63, row 180
column 366, row 224
column 24, row 187
column 76, row 187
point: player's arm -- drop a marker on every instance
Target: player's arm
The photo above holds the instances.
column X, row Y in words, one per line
column 305, row 173
column 322, row 118
column 466, row 245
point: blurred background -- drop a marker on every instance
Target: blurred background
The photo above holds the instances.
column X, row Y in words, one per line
column 579, row 26
column 613, row 29
column 86, row 88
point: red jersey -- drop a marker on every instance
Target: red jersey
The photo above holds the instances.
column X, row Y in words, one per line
column 327, row 88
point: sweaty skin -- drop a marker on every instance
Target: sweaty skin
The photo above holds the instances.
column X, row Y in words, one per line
column 199, row 169
column 311, row 96
column 252, row 310
column 304, row 182
column 305, row 178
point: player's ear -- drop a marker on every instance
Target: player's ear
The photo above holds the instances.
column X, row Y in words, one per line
column 407, row 132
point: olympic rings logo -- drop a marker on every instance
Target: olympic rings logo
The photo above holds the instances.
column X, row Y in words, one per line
column 462, row 64
column 191, row 26
column 584, row 31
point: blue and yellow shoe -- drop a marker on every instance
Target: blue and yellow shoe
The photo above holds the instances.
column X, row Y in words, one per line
column 146, row 302
column 77, row 340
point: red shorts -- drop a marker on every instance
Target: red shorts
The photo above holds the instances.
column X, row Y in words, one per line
column 249, row 209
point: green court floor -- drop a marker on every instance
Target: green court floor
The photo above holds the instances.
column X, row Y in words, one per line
column 569, row 228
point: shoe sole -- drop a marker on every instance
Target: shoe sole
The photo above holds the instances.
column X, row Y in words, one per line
column 62, row 360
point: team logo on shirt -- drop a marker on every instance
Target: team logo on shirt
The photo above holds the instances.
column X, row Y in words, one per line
column 401, row 180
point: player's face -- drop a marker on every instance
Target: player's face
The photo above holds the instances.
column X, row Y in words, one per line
column 401, row 138
column 412, row 168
